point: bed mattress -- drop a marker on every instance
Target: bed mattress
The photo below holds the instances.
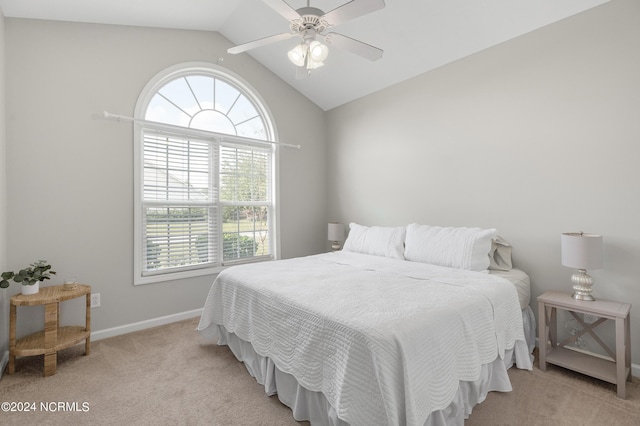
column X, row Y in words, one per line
column 521, row 282
column 339, row 323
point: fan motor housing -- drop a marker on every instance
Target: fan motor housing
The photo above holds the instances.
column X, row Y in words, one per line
column 310, row 17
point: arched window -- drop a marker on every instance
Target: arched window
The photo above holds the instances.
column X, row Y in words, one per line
column 205, row 165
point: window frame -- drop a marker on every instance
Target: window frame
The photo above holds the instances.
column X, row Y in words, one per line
column 139, row 124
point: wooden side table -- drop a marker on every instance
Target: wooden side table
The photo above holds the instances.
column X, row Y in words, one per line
column 53, row 338
column 615, row 370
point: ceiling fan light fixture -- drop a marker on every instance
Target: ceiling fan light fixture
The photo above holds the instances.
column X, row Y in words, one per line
column 318, row 51
column 310, row 22
column 297, row 54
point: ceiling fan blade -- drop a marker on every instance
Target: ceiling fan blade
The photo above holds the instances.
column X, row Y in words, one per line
column 351, row 10
column 283, row 9
column 258, row 43
column 354, row 46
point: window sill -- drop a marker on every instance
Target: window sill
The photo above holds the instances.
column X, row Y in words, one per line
column 180, row 275
column 173, row 276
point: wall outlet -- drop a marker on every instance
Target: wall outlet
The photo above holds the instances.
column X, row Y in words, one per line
column 95, row 300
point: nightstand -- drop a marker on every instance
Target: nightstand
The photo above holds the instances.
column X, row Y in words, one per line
column 53, row 338
column 614, row 369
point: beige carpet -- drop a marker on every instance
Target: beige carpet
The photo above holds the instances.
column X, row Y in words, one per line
column 164, row 376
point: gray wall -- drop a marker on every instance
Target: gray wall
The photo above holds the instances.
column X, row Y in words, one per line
column 70, row 172
column 497, row 139
column 535, row 137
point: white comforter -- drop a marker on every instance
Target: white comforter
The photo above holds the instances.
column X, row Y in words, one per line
column 387, row 341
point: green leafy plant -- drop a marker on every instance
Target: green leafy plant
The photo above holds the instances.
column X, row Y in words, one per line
column 38, row 271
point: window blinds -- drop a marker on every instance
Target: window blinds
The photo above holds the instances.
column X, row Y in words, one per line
column 245, row 192
column 178, row 202
column 204, row 202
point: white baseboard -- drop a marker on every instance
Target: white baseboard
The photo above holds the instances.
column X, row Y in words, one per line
column 141, row 325
column 124, row 329
column 168, row 319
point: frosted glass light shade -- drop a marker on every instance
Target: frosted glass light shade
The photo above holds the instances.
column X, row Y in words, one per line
column 310, row 56
column 297, row 54
column 318, row 51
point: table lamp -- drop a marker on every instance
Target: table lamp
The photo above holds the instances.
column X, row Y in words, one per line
column 581, row 251
column 335, row 234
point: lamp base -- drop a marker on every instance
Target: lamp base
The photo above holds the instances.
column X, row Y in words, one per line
column 335, row 246
column 582, row 283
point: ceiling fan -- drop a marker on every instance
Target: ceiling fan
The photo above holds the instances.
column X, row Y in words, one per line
column 310, row 23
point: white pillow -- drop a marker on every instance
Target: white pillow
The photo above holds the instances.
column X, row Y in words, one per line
column 462, row 248
column 376, row 240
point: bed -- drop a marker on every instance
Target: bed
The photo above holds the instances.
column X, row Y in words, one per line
column 401, row 327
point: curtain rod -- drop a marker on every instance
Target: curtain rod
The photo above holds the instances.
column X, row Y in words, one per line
column 202, row 133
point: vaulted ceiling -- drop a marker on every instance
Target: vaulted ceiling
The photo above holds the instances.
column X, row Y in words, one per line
column 416, row 35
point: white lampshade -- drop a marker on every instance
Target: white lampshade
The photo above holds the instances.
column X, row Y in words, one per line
column 335, row 231
column 581, row 250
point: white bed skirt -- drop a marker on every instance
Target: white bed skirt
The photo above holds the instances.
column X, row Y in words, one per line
column 314, row 407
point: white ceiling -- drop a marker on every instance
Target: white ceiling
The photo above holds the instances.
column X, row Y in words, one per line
column 416, row 35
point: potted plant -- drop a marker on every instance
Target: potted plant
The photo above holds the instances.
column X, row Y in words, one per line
column 29, row 277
